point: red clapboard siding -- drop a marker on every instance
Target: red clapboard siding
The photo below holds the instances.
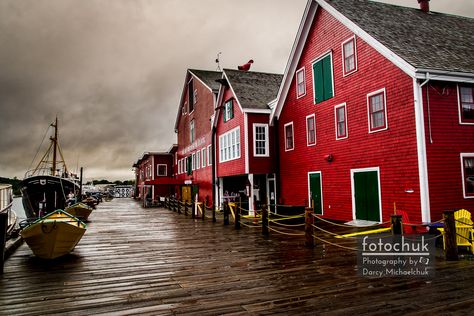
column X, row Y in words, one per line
column 237, row 166
column 394, row 150
column 448, row 140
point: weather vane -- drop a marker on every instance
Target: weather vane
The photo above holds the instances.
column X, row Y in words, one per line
column 217, row 61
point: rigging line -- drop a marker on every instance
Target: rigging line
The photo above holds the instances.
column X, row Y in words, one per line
column 39, row 147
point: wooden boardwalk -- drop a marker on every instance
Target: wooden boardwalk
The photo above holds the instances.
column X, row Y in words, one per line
column 156, row 262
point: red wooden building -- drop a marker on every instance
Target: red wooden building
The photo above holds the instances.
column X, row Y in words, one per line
column 376, row 111
column 154, row 176
column 193, row 125
column 245, row 153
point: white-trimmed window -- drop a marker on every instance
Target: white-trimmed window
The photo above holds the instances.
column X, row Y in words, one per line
column 229, row 145
column 203, row 157
column 228, row 110
column 209, row 156
column 161, row 170
column 195, row 96
column 467, row 169
column 185, row 161
column 340, row 115
column 198, row 159
column 377, row 111
column 193, row 161
column 289, row 136
column 192, row 131
column 179, row 166
column 260, row 142
column 300, row 83
column 311, row 130
column 349, row 56
column 466, row 104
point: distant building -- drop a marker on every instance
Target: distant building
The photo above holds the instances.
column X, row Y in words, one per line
column 376, row 112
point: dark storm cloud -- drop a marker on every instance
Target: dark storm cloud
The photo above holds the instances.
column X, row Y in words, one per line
column 113, row 70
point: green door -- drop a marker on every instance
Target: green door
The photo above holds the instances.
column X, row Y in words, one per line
column 366, row 195
column 315, row 192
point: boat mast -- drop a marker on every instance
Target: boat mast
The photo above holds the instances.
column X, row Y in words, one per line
column 55, row 146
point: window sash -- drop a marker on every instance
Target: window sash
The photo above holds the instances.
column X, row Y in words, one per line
column 300, row 83
column 163, row 169
column 229, row 145
column 341, row 130
column 311, row 130
column 198, row 159
column 466, row 97
column 203, row 157
column 209, row 156
column 228, row 110
column 468, row 173
column 349, row 56
column 289, row 142
column 377, row 111
column 260, row 139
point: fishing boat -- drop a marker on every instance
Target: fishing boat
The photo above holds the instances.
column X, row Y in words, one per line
column 54, row 234
column 79, row 210
column 50, row 185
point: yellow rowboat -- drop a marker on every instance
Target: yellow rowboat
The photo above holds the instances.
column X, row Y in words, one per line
column 54, row 234
column 79, row 210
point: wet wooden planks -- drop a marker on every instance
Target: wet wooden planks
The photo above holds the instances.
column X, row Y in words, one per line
column 156, row 262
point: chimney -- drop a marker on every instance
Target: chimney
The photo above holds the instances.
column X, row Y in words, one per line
column 424, row 5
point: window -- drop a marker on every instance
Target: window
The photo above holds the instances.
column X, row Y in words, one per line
column 195, row 96
column 191, row 95
column 179, row 166
column 466, row 104
column 193, row 161
column 322, row 79
column 467, row 161
column 209, row 156
column 349, row 56
column 192, row 131
column 203, row 157
column 377, row 111
column 161, row 170
column 229, row 145
column 260, row 143
column 310, row 130
column 228, row 110
column 289, row 136
column 189, row 163
column 198, row 159
column 300, row 83
column 341, row 121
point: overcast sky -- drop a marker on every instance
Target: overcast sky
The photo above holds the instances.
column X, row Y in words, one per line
column 113, row 70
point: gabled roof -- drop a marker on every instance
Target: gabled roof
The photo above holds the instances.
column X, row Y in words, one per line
column 418, row 43
column 425, row 40
column 207, row 77
column 254, row 90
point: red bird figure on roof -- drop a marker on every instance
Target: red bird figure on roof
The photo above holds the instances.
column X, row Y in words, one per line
column 246, row 67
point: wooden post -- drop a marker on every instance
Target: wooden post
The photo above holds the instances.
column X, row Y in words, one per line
column 450, row 244
column 237, row 217
column 265, row 231
column 226, row 213
column 203, row 212
column 178, row 206
column 396, row 222
column 308, row 227
column 3, row 238
column 186, row 208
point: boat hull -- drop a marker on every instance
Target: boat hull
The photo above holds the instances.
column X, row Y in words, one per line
column 45, row 194
column 79, row 210
column 54, row 235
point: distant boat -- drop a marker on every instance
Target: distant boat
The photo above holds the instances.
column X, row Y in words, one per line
column 79, row 210
column 54, row 235
column 48, row 187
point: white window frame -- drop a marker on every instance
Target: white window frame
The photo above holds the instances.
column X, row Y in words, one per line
column 302, row 69
column 465, row 155
column 345, row 120
column 229, row 104
column 158, row 170
column 266, row 140
column 185, row 165
column 198, row 159
column 203, row 157
column 344, row 73
column 192, row 131
column 292, row 135
column 209, row 156
column 195, row 96
column 461, row 122
column 307, row 130
column 229, row 147
column 384, row 108
column 179, row 166
column 193, row 161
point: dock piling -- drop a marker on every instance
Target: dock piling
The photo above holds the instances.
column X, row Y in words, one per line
column 265, row 231
column 450, row 244
column 308, row 227
column 226, row 213
column 396, row 222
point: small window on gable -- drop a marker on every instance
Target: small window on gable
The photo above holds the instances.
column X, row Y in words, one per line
column 323, row 79
column 467, row 168
column 349, row 56
column 341, row 121
column 466, row 104
column 161, row 170
column 377, row 111
column 191, row 101
column 311, row 130
column 300, row 83
column 289, row 137
column 228, row 110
